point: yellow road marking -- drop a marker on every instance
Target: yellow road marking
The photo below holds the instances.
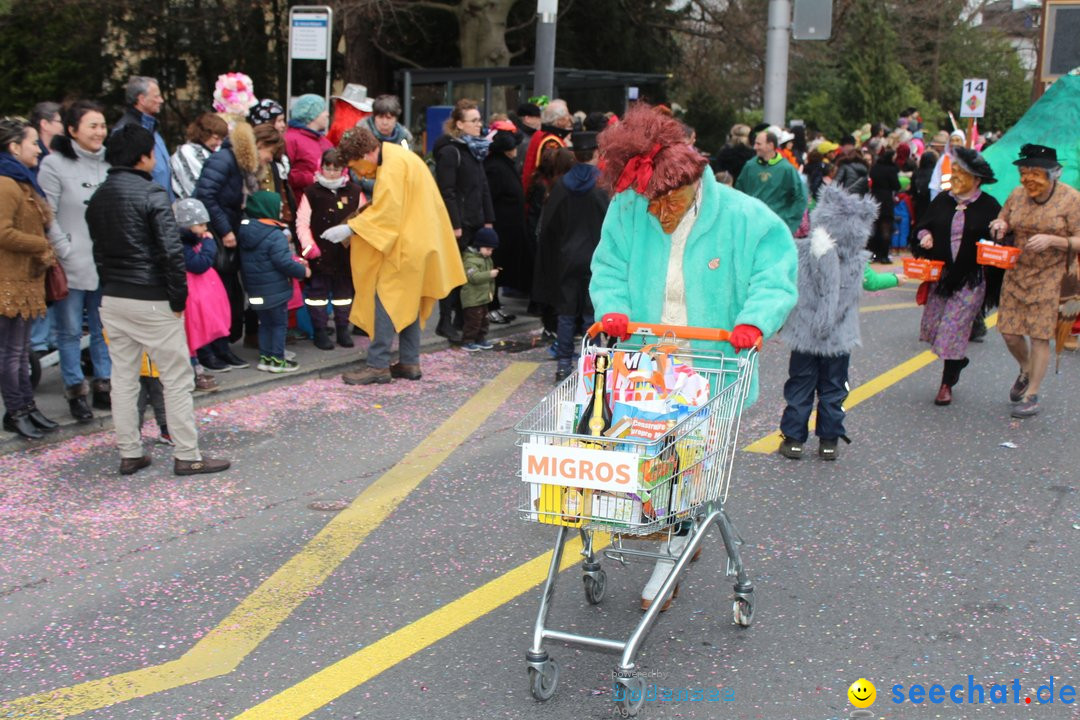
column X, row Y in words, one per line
column 225, row 646
column 335, row 680
column 771, row 442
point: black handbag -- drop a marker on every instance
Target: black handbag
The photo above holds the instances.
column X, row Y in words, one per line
column 226, row 260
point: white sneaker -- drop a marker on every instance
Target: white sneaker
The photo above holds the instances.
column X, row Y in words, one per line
column 662, row 570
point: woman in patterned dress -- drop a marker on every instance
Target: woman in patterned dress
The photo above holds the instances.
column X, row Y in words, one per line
column 1044, row 216
column 949, row 231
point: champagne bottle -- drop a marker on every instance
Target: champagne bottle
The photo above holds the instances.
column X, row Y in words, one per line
column 597, row 416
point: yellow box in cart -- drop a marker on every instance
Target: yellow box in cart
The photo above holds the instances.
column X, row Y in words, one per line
column 558, row 505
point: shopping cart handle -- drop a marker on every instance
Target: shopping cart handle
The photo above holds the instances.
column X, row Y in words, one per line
column 677, row 331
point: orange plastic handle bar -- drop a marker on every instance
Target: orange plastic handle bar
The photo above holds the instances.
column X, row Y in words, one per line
column 678, row 331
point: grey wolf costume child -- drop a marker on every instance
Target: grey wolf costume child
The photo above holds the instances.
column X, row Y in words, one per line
column 824, row 326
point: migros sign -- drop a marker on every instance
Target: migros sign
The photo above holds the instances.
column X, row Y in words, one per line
column 580, row 467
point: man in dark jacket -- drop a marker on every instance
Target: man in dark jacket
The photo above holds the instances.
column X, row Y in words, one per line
column 144, row 101
column 569, row 233
column 527, row 121
column 140, row 260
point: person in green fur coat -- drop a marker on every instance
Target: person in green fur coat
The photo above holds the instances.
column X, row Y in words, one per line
column 678, row 248
column 726, row 261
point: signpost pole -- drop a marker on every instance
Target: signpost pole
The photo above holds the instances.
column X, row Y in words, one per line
column 776, row 61
column 544, row 68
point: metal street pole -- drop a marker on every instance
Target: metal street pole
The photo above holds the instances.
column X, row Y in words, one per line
column 544, row 69
column 776, row 61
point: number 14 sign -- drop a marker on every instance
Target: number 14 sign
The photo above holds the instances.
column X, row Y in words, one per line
column 973, row 101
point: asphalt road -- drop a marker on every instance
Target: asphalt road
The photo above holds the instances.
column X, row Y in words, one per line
column 929, row 552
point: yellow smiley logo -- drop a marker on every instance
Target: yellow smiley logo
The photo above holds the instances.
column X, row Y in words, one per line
column 862, row 693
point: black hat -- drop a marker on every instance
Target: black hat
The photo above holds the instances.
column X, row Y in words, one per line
column 485, row 237
column 265, row 111
column 974, row 163
column 1039, row 156
column 595, row 122
column 528, row 110
column 584, row 140
column 504, row 141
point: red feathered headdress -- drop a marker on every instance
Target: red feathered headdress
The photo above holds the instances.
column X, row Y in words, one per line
column 647, row 152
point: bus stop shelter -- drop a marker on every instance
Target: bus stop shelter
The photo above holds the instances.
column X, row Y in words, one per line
column 566, row 79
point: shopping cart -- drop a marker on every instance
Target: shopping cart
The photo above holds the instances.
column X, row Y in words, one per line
column 646, row 488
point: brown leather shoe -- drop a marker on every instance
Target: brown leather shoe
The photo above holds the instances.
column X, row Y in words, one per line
column 409, row 372
column 199, row 467
column 206, row 382
column 367, row 376
column 130, row 466
column 944, row 395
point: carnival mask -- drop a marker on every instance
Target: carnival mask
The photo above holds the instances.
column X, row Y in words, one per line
column 671, row 207
column 1036, row 181
column 963, row 182
column 363, row 167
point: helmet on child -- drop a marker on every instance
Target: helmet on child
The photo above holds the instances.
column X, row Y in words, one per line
column 190, row 211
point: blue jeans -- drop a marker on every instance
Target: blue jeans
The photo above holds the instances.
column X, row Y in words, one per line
column 15, row 363
column 827, row 378
column 408, row 341
column 564, row 338
column 43, row 331
column 69, row 323
column 272, row 324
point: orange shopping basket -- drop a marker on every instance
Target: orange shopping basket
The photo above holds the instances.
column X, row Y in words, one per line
column 920, row 269
column 999, row 256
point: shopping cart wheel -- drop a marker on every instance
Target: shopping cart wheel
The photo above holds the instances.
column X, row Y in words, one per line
column 544, row 682
column 632, row 696
column 743, row 610
column 595, row 585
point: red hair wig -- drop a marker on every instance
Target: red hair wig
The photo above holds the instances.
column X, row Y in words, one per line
column 648, row 134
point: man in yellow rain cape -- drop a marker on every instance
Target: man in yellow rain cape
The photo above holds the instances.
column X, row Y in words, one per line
column 403, row 254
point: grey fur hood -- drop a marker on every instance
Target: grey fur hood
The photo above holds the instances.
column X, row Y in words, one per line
column 832, row 260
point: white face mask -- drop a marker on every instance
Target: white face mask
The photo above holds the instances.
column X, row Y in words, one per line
column 332, row 184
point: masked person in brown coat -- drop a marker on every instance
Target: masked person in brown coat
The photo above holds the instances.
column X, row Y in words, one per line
column 25, row 255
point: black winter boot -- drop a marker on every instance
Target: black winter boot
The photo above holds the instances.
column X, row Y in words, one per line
column 101, row 390
column 344, row 337
column 76, row 397
column 19, row 422
column 322, row 339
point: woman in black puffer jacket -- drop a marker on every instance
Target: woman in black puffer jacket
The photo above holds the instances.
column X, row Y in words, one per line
column 459, row 173
column 227, row 179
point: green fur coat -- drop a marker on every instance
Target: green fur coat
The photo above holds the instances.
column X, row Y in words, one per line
column 740, row 264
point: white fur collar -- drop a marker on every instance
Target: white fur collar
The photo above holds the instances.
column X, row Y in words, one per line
column 821, row 242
